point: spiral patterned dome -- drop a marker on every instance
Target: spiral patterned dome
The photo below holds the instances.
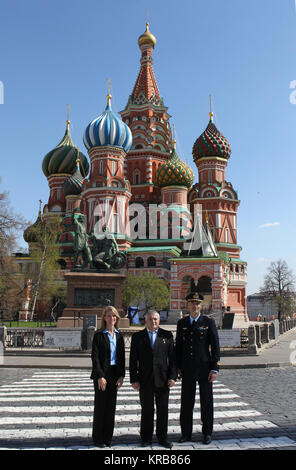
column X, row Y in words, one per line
column 211, row 143
column 74, row 184
column 62, row 159
column 108, row 129
column 174, row 172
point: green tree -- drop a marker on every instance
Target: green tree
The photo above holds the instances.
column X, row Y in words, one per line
column 146, row 289
column 11, row 287
column 279, row 287
column 48, row 286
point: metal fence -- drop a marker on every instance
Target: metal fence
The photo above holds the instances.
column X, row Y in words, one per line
column 257, row 335
column 34, row 337
column 24, row 338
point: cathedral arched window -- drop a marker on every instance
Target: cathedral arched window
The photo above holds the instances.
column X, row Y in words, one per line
column 137, row 177
column 101, row 167
column 226, row 235
column 139, row 262
column 151, row 262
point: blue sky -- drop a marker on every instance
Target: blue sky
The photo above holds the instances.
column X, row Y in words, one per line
column 241, row 52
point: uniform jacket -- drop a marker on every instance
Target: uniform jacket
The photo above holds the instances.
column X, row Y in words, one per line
column 101, row 353
column 197, row 346
column 147, row 364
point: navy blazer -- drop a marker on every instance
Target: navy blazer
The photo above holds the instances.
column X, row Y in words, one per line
column 147, row 364
column 101, row 355
column 197, row 346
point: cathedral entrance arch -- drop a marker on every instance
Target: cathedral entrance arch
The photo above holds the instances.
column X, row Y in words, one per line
column 187, row 282
column 204, row 287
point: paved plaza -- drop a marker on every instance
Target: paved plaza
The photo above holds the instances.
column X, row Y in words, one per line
column 50, row 406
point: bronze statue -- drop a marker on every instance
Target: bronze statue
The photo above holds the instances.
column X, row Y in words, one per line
column 105, row 252
column 81, row 246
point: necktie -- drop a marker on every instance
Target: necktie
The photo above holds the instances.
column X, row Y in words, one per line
column 152, row 339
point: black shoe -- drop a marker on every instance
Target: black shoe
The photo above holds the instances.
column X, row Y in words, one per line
column 166, row 444
column 146, row 443
column 207, row 439
column 99, row 444
column 108, row 444
column 184, row 439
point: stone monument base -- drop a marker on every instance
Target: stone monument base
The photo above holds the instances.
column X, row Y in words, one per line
column 88, row 293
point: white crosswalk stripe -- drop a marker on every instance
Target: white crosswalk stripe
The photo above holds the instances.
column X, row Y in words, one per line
column 58, row 405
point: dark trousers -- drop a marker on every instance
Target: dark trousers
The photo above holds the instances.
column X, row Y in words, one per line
column 104, row 408
column 148, row 393
column 187, row 405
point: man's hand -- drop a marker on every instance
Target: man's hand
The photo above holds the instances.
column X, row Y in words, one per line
column 212, row 376
column 102, row 383
column 136, row 385
column 119, row 383
column 171, row 383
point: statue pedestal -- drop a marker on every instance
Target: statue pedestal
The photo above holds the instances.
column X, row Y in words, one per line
column 89, row 292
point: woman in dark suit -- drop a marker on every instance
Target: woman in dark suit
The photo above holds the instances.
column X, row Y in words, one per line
column 108, row 369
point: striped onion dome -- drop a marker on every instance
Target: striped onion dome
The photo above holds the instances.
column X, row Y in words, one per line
column 108, row 129
column 62, row 159
column 74, row 184
column 174, row 172
column 211, row 143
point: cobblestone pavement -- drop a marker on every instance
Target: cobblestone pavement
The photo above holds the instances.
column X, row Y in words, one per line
column 52, row 409
column 271, row 391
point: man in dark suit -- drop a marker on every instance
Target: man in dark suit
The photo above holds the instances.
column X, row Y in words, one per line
column 153, row 372
column 198, row 354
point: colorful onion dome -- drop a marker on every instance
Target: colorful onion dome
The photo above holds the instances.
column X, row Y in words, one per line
column 211, row 143
column 108, row 129
column 62, row 159
column 33, row 231
column 147, row 38
column 174, row 172
column 74, row 184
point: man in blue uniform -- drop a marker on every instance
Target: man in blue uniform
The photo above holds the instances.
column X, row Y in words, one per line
column 198, row 355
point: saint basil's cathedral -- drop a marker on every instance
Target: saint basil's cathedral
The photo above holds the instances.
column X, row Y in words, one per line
column 133, row 159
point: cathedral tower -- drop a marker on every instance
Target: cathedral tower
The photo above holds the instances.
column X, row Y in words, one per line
column 107, row 192
column 148, row 119
column 211, row 152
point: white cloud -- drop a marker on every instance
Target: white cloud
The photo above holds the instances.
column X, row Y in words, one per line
column 269, row 224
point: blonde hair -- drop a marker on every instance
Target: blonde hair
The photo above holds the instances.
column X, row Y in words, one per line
column 114, row 311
